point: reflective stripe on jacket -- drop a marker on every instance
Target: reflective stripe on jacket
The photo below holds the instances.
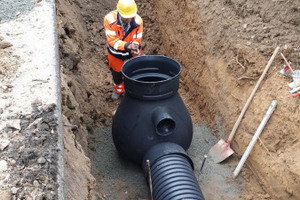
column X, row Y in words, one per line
column 117, row 40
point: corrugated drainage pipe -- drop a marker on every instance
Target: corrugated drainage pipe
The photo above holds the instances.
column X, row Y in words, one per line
column 172, row 173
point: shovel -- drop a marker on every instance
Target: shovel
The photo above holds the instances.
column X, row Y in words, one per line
column 222, row 150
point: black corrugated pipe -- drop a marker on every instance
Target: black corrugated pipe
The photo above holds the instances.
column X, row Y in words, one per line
column 152, row 123
column 172, row 175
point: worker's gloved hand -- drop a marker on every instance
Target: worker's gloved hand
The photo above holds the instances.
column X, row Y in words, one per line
column 135, row 52
column 133, row 46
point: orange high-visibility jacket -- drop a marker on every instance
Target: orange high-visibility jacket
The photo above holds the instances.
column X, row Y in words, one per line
column 117, row 40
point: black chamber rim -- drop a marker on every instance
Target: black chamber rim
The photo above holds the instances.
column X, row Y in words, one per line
column 150, row 58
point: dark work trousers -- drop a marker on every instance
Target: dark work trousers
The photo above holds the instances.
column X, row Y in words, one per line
column 117, row 76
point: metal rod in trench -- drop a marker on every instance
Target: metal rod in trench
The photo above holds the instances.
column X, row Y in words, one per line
column 150, row 179
column 255, row 137
column 202, row 165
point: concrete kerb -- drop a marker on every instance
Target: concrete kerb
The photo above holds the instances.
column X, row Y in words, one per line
column 33, row 36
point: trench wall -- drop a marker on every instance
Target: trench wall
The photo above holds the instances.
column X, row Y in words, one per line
column 214, row 41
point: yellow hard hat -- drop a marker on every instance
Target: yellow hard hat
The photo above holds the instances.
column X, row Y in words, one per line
column 127, row 8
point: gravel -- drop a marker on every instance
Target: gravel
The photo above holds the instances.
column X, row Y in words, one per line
column 30, row 134
column 214, row 179
column 10, row 9
column 109, row 168
column 24, row 164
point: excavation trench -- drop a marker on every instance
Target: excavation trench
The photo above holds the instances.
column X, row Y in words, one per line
column 219, row 69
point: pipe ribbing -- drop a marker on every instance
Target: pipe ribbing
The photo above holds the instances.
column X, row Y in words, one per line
column 172, row 173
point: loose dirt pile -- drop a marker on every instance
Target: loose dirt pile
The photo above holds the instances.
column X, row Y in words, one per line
column 32, row 161
column 223, row 47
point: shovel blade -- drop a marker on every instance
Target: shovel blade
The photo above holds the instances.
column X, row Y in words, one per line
column 220, row 151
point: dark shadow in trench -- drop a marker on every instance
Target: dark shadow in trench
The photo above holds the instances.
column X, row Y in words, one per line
column 116, row 178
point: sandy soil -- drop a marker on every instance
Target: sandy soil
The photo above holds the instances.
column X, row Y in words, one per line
column 220, row 86
column 223, row 47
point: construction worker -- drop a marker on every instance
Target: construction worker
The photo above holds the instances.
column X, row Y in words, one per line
column 123, row 30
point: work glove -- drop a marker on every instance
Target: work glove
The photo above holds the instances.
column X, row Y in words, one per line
column 135, row 52
column 134, row 48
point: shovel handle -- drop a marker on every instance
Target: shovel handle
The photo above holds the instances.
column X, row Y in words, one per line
column 237, row 123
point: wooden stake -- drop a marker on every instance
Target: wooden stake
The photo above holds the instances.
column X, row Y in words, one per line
column 288, row 64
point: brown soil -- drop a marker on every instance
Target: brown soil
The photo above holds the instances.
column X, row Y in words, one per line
column 223, row 47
